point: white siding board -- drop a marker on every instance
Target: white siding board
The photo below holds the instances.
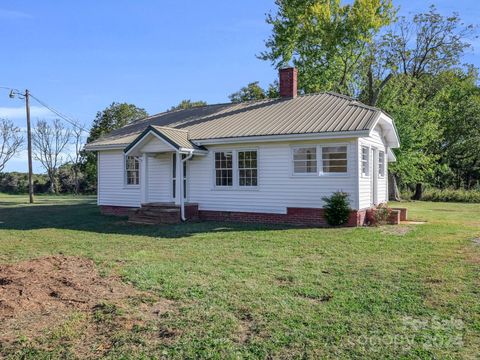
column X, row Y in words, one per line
column 154, row 144
column 112, row 189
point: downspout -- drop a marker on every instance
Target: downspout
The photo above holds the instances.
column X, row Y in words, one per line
column 182, row 190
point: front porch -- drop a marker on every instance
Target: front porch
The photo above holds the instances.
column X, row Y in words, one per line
column 162, row 155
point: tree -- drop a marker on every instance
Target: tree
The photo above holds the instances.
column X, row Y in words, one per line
column 187, row 104
column 458, row 106
column 325, row 40
column 49, row 142
column 253, row 91
column 429, row 43
column 76, row 157
column 11, row 141
column 112, row 118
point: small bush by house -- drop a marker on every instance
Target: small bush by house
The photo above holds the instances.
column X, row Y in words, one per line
column 337, row 208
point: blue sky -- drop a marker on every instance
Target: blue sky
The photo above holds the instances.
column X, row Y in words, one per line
column 80, row 56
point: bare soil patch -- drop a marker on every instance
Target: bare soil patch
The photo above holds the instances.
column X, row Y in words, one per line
column 50, row 296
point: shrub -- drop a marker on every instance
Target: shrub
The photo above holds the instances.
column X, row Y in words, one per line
column 452, row 195
column 446, row 195
column 337, row 208
column 381, row 214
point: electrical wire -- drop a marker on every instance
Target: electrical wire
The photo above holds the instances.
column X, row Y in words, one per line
column 58, row 113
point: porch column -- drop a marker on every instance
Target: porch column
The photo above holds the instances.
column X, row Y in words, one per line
column 179, row 178
column 144, row 179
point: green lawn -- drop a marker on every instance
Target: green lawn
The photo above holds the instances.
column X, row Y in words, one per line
column 409, row 291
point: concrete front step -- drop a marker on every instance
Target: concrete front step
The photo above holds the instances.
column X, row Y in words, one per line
column 161, row 213
column 154, row 214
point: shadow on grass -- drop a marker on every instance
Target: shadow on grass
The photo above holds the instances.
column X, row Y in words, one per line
column 85, row 216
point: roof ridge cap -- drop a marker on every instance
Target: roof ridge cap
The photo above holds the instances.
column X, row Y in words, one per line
column 168, row 127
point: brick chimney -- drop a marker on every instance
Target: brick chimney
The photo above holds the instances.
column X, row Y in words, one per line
column 288, row 82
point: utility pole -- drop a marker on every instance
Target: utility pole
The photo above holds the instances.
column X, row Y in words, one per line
column 29, row 146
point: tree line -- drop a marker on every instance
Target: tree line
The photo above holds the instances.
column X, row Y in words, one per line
column 411, row 67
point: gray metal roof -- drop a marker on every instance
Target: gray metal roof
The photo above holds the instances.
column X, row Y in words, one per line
column 315, row 113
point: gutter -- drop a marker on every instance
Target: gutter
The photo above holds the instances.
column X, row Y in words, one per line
column 182, row 199
column 283, row 137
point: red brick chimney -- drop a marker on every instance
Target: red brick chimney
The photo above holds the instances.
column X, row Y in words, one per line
column 288, row 82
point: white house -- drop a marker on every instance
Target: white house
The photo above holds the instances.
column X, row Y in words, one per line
column 270, row 160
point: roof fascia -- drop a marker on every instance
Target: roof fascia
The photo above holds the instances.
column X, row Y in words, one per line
column 395, row 143
column 144, row 134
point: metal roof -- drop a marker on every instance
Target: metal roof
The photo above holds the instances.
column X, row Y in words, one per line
column 306, row 114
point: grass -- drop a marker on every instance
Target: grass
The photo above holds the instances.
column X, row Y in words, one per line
column 447, row 195
column 253, row 291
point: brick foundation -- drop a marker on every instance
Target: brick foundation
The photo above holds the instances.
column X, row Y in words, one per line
column 294, row 216
column 191, row 212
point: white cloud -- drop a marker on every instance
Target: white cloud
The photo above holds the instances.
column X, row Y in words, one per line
column 13, row 14
column 19, row 112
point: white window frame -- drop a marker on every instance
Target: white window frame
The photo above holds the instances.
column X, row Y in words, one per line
column 365, row 175
column 125, row 172
column 335, row 174
column 292, row 160
column 235, row 170
column 215, row 169
column 238, row 168
column 381, row 169
column 319, row 154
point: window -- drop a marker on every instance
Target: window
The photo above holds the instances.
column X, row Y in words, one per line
column 305, row 160
column 365, row 162
column 381, row 163
column 132, row 169
column 223, row 168
column 334, row 159
column 247, row 168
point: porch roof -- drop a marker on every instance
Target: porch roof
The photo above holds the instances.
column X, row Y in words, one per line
column 176, row 138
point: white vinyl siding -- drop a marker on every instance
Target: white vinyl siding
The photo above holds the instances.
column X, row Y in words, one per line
column 111, row 181
column 374, row 141
column 277, row 187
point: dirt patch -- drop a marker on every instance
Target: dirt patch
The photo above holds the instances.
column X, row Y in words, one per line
column 475, row 241
column 399, row 230
column 39, row 298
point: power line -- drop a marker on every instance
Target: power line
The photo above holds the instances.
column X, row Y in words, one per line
column 58, row 113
